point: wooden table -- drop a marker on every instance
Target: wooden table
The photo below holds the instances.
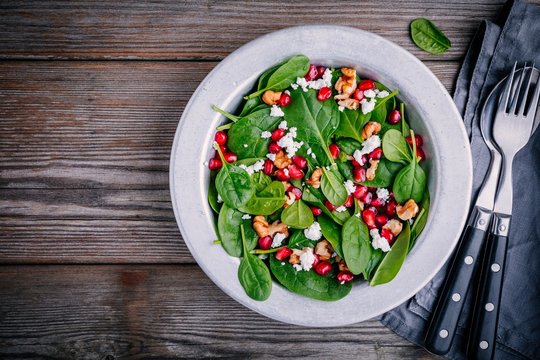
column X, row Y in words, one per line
column 92, row 263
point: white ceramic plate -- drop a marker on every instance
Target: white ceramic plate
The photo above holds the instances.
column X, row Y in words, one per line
column 431, row 112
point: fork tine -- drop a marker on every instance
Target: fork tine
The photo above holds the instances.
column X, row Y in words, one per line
column 524, row 96
column 505, row 95
column 533, row 107
column 517, row 92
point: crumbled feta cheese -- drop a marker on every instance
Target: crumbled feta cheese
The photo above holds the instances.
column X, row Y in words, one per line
column 276, row 111
column 369, row 93
column 341, row 208
column 287, row 92
column 306, row 259
column 282, row 263
column 219, row 199
column 334, row 254
column 373, row 142
column 327, row 77
column 271, row 156
column 383, row 194
column 313, row 232
column 383, row 94
column 297, row 267
column 303, row 83
column 367, row 106
column 341, row 108
column 252, row 169
column 287, row 142
column 294, row 86
column 246, row 217
column 324, row 81
column 309, row 151
column 378, row 241
column 245, row 145
column 263, row 256
column 266, row 134
column 278, row 239
column 349, row 185
column 283, row 125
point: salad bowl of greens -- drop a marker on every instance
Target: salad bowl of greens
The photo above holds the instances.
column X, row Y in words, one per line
column 320, row 175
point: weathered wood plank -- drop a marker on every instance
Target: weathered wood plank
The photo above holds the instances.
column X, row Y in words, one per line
column 99, row 124
column 211, row 30
column 91, row 312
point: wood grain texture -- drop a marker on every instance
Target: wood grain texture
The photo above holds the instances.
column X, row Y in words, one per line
column 99, row 124
column 211, row 30
column 135, row 312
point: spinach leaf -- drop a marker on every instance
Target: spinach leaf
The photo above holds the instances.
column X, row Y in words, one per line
column 405, row 130
column 309, row 283
column 261, row 180
column 253, row 274
column 316, row 198
column 263, row 79
column 248, row 131
column 385, row 174
column 393, row 260
column 299, row 241
column 348, row 146
column 420, row 221
column 331, row 232
column 229, row 116
column 213, row 194
column 267, row 201
column 315, row 121
column 356, row 245
column 346, row 169
column 332, row 187
column 233, row 184
column 410, row 183
column 374, row 261
column 297, row 215
column 428, row 37
column 250, row 106
column 284, row 75
column 229, row 222
column 351, row 123
column 395, row 148
column 275, row 216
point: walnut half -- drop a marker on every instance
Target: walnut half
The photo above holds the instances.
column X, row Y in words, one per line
column 315, row 178
column 370, row 173
column 271, row 97
column 282, row 160
column 262, row 228
column 395, row 226
column 408, row 210
column 371, row 128
column 324, row 250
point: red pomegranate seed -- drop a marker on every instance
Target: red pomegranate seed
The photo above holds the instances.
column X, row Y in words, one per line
column 299, row 161
column 283, row 253
column 420, row 153
column 312, row 73
column 366, row 85
column 376, row 154
column 334, row 150
column 355, row 163
column 330, row 206
column 315, row 210
column 345, row 276
column 417, row 138
column 367, row 198
column 391, row 208
column 283, row 175
column 214, row 164
column 295, row 172
column 316, row 260
column 387, row 234
column 373, row 209
column 381, row 219
column 360, row 192
column 323, row 268
column 265, row 243
column 324, row 93
column 284, row 100
column 223, row 149
column 320, row 71
column 268, row 167
column 220, row 137
column 377, row 202
column 296, row 191
column 349, row 202
column 278, row 134
column 394, row 117
column 364, row 158
column 369, row 217
column 230, row 157
column 274, row 148
column 358, row 94
column 359, row 174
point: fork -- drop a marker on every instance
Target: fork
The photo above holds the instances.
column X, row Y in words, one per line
column 512, row 128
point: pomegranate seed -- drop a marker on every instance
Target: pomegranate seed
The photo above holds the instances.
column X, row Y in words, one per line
column 369, row 217
column 360, row 192
column 345, row 276
column 268, row 167
column 323, row 268
column 381, row 219
column 394, row 117
column 366, row 85
column 417, row 138
column 420, row 153
column 376, row 154
column 223, row 149
column 295, row 172
column 278, row 134
column 334, row 150
column 387, row 234
column 315, row 210
column 265, row 243
column 349, row 201
column 373, row 209
column 316, row 260
column 220, row 137
column 359, row 174
column 320, row 71
column 366, row 199
column 296, row 191
column 355, row 163
column 282, row 175
column 324, row 93
column 284, row 100
column 330, row 206
column 364, row 159
column 312, row 73
column 274, row 148
column 299, row 161
column 358, row 94
column 283, row 253
column 377, row 202
column 230, row 157
column 391, row 208
column 214, row 164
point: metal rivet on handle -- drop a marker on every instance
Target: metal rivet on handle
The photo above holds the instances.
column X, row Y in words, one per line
column 484, row 345
column 495, row 267
column 443, row 333
column 489, row 307
column 456, row 297
column 482, row 221
column 502, row 228
column 468, row 260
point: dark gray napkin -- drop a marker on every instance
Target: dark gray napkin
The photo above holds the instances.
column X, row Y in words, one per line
column 514, row 37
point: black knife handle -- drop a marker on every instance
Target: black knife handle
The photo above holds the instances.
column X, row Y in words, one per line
column 444, row 320
column 486, row 313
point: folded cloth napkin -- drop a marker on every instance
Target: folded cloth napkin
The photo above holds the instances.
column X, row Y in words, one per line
column 514, row 37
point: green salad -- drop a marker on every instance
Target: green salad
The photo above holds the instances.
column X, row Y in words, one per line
column 317, row 182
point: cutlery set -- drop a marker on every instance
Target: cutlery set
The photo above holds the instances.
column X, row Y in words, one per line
column 506, row 124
